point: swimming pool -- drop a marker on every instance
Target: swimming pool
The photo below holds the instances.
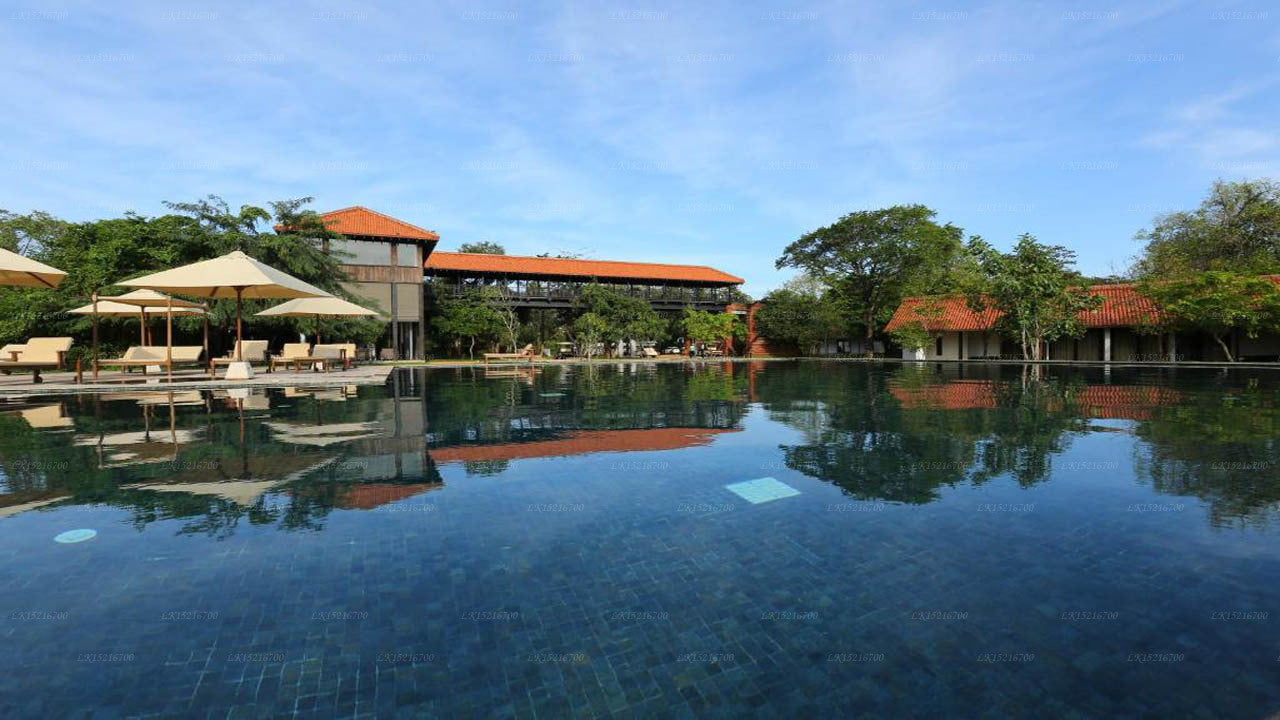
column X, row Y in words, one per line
column 777, row 539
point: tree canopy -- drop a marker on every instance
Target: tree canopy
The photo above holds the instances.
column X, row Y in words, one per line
column 1236, row 228
column 871, row 259
column 1217, row 302
column 483, row 247
column 1033, row 286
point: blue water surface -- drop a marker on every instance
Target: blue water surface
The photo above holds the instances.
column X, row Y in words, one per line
column 948, row 541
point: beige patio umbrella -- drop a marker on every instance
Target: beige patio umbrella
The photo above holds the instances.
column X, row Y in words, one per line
column 234, row 275
column 139, row 302
column 317, row 307
column 110, row 308
column 19, row 271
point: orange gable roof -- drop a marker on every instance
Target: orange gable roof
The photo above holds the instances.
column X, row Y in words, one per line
column 943, row 313
column 1122, row 306
column 360, row 221
column 567, row 267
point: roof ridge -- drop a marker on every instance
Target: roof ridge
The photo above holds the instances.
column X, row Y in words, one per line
column 383, row 215
column 614, row 262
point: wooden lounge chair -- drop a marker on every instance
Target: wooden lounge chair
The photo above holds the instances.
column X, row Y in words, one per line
column 525, row 352
column 253, row 351
column 38, row 354
column 12, row 351
column 343, row 353
column 145, row 356
column 296, row 354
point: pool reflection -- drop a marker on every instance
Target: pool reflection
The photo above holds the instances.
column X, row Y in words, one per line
column 897, row 433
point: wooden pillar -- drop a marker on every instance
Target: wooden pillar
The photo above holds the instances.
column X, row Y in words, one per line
column 395, row 325
column 419, row 254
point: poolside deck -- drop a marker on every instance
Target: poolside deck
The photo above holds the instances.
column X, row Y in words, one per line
column 63, row 383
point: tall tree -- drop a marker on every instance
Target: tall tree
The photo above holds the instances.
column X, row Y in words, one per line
column 872, row 258
column 1037, row 293
column 801, row 315
column 618, row 316
column 468, row 319
column 705, row 327
column 1217, row 302
column 1236, row 228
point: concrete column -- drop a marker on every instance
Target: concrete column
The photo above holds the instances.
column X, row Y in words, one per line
column 395, row 325
column 1173, row 347
column 1106, row 344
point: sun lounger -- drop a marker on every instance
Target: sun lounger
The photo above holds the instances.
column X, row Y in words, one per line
column 295, row 354
column 343, row 353
column 145, row 356
column 38, row 354
column 253, row 351
column 12, row 351
column 650, row 352
column 526, row 352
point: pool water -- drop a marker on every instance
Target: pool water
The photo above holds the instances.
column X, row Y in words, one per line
column 788, row 539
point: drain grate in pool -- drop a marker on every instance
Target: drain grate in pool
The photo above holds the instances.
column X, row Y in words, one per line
column 75, row 536
column 761, row 490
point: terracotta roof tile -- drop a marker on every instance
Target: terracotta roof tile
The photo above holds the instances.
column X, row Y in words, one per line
column 566, row 267
column 944, row 313
column 1122, row 306
column 359, row 221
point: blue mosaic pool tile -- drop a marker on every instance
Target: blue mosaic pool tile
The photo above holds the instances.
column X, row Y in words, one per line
column 761, row 490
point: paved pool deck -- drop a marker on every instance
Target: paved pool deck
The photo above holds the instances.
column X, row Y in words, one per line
column 63, row 383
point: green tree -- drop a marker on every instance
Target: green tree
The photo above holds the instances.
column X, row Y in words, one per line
column 617, row 316
column 800, row 315
column 872, row 258
column 1217, row 302
column 1236, row 228
column 484, row 247
column 589, row 331
column 705, row 327
column 1035, row 290
column 469, row 319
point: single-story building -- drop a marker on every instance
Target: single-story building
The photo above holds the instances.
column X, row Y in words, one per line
column 1121, row 329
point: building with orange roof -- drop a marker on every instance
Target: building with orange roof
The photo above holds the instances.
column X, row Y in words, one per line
column 545, row 282
column 383, row 256
column 1121, row 329
column 394, row 265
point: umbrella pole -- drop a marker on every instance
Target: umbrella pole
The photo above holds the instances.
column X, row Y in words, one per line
column 95, row 334
column 142, row 326
column 317, row 329
column 168, row 349
column 239, row 330
column 205, row 308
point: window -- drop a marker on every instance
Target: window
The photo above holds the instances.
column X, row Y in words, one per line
column 937, row 346
column 408, row 255
column 361, row 252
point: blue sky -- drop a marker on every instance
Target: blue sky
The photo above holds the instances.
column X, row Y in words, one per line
column 710, row 133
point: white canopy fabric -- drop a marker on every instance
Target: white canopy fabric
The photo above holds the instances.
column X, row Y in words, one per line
column 111, row 308
column 150, row 299
column 314, row 306
column 234, row 275
column 20, row 271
